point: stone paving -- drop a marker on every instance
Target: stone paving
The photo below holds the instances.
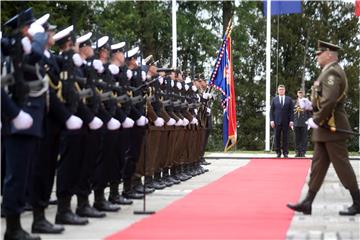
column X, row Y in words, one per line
column 325, row 222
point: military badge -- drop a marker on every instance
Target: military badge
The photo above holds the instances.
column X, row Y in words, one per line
column 331, row 81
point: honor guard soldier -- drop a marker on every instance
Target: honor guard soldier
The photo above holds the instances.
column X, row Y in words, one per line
column 43, row 167
column 71, row 150
column 109, row 134
column 135, row 79
column 18, row 163
column 302, row 111
column 329, row 117
column 118, row 71
column 92, row 132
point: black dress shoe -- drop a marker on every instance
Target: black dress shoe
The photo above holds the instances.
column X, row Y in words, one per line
column 106, row 206
column 90, row 212
column 19, row 234
column 167, row 181
column 173, row 179
column 278, row 155
column 70, row 218
column 303, row 207
column 156, row 185
column 351, row 211
column 118, row 199
column 203, row 161
column 143, row 189
column 132, row 195
column 285, row 155
column 44, row 226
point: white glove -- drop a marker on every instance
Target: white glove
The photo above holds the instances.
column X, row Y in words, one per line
column 96, row 123
column 113, row 124
column 172, row 83
column 77, row 60
column 185, row 122
column 113, row 69
column 171, row 122
column 311, row 124
column 23, row 120
column 161, row 80
column 208, row 110
column 143, row 76
column 195, row 111
column 194, row 121
column 141, row 121
column 159, row 122
column 194, row 88
column 35, row 28
column 128, row 123
column 73, row 123
column 178, row 85
column 179, row 123
column 206, row 95
column 129, row 74
column 186, row 87
column 26, row 44
column 98, row 65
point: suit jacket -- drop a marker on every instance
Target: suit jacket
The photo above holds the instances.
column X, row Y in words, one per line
column 327, row 98
column 282, row 114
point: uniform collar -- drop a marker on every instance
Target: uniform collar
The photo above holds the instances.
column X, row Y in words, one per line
column 328, row 65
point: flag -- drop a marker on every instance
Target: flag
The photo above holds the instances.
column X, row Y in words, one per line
column 357, row 8
column 283, row 7
column 222, row 78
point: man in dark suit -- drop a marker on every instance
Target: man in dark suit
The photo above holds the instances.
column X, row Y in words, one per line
column 281, row 118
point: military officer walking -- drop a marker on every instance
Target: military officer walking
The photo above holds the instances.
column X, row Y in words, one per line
column 328, row 98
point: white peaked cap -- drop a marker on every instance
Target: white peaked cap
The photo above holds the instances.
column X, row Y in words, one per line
column 84, row 38
column 118, row 45
column 63, row 33
column 43, row 19
column 187, row 80
column 132, row 52
column 101, row 42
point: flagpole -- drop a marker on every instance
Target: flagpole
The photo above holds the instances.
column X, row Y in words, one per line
column 268, row 68
column 174, row 36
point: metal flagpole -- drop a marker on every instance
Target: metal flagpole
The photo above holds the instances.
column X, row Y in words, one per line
column 268, row 68
column 174, row 36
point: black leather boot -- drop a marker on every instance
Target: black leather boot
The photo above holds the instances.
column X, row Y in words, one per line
column 14, row 230
column 305, row 205
column 85, row 210
column 128, row 191
column 355, row 207
column 102, row 204
column 42, row 225
column 64, row 214
column 115, row 197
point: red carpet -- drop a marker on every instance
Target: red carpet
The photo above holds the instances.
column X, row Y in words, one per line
column 248, row 203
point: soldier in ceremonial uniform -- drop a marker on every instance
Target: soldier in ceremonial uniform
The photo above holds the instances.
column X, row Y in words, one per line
column 43, row 168
column 71, row 150
column 302, row 111
column 18, row 163
column 328, row 98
